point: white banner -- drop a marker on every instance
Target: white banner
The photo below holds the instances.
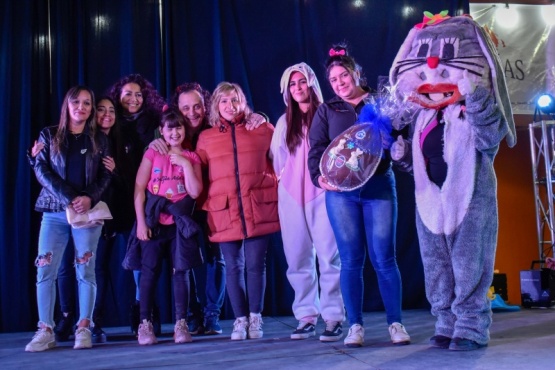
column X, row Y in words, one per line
column 526, row 44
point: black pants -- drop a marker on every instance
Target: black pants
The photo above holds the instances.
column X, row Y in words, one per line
column 246, row 257
column 152, row 252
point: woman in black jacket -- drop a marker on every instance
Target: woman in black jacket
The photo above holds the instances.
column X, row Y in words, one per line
column 363, row 220
column 138, row 110
column 72, row 174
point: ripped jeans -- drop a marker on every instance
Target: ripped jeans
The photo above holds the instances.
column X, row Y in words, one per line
column 53, row 238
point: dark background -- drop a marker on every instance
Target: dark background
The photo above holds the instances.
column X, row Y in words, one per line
column 47, row 46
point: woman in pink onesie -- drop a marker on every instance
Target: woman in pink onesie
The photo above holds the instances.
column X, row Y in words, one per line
column 305, row 228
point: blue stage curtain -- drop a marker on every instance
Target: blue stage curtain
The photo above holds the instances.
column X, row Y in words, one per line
column 49, row 46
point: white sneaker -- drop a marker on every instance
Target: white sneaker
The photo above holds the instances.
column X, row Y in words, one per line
column 398, row 334
column 355, row 337
column 255, row 326
column 240, row 328
column 42, row 340
column 181, row 332
column 146, row 333
column 83, row 338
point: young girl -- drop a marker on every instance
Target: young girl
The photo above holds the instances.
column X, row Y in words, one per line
column 241, row 202
column 164, row 184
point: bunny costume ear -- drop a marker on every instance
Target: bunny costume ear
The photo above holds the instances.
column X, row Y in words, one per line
column 310, row 79
column 498, row 82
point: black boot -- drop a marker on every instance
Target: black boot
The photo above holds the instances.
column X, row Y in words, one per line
column 134, row 317
column 64, row 327
column 156, row 324
column 195, row 322
column 98, row 335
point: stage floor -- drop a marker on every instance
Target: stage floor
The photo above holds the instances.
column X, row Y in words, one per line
column 519, row 340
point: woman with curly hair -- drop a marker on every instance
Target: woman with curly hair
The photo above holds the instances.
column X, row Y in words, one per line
column 138, row 109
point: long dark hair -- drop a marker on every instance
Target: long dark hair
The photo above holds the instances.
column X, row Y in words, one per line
column 114, row 136
column 152, row 101
column 339, row 56
column 296, row 119
column 62, row 130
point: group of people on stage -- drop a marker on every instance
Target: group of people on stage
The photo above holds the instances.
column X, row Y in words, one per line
column 205, row 166
column 205, row 180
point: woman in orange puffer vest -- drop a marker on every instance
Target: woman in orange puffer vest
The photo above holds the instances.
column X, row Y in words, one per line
column 241, row 202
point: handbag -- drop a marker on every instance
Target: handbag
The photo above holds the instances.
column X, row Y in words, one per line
column 94, row 216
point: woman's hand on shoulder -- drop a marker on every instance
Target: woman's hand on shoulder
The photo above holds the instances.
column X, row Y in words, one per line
column 159, row 145
column 37, row 147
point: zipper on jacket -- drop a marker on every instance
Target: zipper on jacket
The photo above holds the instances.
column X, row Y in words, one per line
column 238, row 182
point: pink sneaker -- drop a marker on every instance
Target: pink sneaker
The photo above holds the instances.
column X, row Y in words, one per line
column 181, row 332
column 146, row 333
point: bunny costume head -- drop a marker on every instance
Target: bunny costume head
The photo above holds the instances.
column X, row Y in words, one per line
column 435, row 56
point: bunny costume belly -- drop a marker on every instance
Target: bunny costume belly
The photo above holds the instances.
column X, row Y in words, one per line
column 457, row 223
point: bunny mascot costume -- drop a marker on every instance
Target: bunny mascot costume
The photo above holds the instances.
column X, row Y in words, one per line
column 450, row 69
column 305, row 227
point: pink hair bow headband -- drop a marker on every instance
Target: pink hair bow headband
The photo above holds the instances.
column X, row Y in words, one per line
column 334, row 52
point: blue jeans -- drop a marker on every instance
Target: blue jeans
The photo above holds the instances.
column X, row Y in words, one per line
column 53, row 239
column 214, row 284
column 363, row 219
column 214, row 271
column 67, row 280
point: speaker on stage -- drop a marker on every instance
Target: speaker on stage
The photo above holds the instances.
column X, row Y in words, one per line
column 537, row 287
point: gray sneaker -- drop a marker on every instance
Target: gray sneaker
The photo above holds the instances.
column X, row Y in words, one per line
column 42, row 340
column 83, row 338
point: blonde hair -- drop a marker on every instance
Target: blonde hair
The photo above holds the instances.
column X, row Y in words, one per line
column 226, row 88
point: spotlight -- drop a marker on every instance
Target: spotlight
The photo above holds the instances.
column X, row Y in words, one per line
column 545, row 104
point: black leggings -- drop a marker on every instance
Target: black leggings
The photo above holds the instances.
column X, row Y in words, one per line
column 152, row 252
column 246, row 256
